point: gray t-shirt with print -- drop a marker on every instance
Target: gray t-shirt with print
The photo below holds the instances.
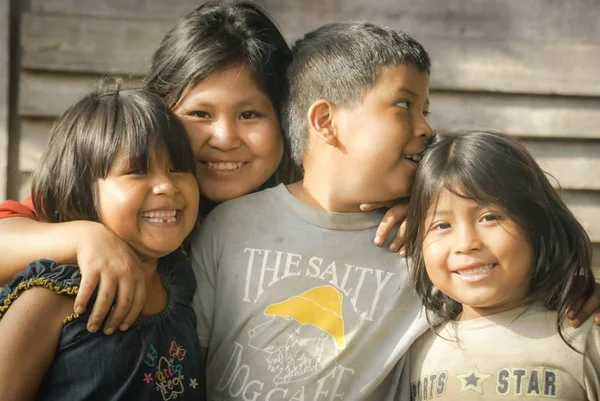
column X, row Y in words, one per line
column 298, row 304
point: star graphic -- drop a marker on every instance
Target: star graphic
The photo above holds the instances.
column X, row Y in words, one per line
column 472, row 381
column 193, row 383
column 147, row 378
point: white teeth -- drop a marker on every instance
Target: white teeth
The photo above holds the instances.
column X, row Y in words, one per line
column 153, row 220
column 164, row 216
column 166, row 213
column 477, row 270
column 224, row 165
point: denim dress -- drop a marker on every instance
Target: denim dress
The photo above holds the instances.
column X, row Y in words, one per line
column 158, row 358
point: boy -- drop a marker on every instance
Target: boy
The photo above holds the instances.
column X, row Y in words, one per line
column 293, row 301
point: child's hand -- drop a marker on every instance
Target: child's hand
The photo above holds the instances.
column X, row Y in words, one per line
column 586, row 310
column 108, row 263
column 395, row 215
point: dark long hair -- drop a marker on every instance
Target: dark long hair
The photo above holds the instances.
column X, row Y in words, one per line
column 217, row 35
column 85, row 140
column 492, row 168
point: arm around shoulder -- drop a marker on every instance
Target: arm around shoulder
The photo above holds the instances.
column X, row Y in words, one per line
column 30, row 331
column 23, row 240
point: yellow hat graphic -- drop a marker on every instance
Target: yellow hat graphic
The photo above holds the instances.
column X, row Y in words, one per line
column 320, row 306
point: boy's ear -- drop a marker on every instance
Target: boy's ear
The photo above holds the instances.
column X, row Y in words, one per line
column 320, row 120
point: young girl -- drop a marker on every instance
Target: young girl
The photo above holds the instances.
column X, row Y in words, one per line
column 120, row 158
column 499, row 258
column 221, row 69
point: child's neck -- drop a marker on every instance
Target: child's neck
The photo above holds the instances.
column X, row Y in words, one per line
column 320, row 195
column 469, row 313
column 156, row 294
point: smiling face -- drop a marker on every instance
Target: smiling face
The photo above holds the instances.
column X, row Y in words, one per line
column 234, row 132
column 381, row 138
column 153, row 211
column 477, row 255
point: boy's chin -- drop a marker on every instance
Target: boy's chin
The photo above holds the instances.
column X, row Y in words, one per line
column 389, row 199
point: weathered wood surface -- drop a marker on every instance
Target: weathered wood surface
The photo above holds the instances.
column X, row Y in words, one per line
column 74, row 44
column 83, row 44
column 25, row 179
column 33, row 142
column 521, row 115
column 530, row 20
column 49, row 94
column 586, row 206
column 575, row 165
column 4, row 94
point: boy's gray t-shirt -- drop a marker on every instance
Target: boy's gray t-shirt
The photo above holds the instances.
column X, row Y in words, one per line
column 298, row 304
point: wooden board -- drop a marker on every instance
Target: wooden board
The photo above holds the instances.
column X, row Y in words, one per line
column 514, row 67
column 49, row 94
column 521, row 115
column 532, row 20
column 57, row 43
column 573, row 165
column 596, row 260
column 586, row 207
column 4, row 95
column 34, row 139
column 25, row 179
column 84, row 44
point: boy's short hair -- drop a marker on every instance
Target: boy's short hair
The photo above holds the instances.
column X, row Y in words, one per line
column 340, row 62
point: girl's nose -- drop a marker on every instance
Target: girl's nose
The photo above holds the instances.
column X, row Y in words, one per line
column 225, row 135
column 163, row 185
column 466, row 240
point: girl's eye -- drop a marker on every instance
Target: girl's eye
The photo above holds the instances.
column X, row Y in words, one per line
column 426, row 113
column 200, row 114
column 490, row 217
column 404, row 104
column 176, row 170
column 247, row 115
column 440, row 226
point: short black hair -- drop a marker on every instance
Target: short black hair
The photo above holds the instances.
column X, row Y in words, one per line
column 340, row 62
column 85, row 140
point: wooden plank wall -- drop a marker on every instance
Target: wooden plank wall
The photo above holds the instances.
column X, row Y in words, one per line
column 528, row 68
column 4, row 94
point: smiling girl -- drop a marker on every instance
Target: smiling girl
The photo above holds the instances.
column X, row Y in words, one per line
column 122, row 159
column 499, row 258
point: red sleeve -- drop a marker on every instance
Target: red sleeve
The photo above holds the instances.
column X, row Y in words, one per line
column 11, row 208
